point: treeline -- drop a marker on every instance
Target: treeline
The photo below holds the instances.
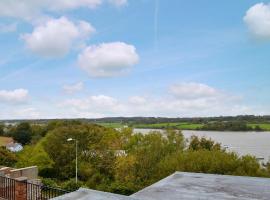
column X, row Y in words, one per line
column 229, row 126
column 120, row 161
column 156, row 120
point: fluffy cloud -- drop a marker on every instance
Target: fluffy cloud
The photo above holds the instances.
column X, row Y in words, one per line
column 56, row 37
column 26, row 113
column 100, row 105
column 118, row 2
column 257, row 19
column 201, row 100
column 70, row 89
column 108, row 59
column 30, row 9
column 14, row 96
column 8, row 28
column 137, row 100
column 193, row 91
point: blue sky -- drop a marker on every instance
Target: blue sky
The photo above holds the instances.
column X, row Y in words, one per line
column 98, row 58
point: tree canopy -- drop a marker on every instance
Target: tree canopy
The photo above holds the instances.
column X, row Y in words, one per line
column 123, row 162
column 22, row 133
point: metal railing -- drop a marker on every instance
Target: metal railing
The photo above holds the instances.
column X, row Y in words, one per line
column 33, row 191
column 7, row 188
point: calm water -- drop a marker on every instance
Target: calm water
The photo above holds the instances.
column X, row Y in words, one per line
column 254, row 143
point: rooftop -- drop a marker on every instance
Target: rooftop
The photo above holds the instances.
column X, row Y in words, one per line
column 189, row 186
column 85, row 194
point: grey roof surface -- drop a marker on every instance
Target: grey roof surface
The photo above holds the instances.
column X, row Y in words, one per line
column 196, row 186
column 85, row 194
column 189, row 186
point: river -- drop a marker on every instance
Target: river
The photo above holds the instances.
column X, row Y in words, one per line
column 253, row 143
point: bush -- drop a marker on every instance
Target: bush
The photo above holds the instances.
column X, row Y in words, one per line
column 71, row 185
column 7, row 158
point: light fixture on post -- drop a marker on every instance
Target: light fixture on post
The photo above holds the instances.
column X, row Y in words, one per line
column 76, row 142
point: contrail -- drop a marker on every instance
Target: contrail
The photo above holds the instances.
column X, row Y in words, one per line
column 156, row 24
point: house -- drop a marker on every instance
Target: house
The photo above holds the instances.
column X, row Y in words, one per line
column 14, row 147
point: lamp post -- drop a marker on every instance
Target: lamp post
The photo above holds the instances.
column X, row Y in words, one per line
column 76, row 142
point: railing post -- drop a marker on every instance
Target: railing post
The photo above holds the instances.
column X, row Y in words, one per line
column 21, row 188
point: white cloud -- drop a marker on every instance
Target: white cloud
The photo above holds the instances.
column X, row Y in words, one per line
column 26, row 113
column 70, row 89
column 100, row 104
column 118, row 2
column 137, row 100
column 31, row 9
column 207, row 102
column 8, row 28
column 56, row 37
column 71, row 4
column 257, row 19
column 193, row 90
column 14, row 96
column 108, row 59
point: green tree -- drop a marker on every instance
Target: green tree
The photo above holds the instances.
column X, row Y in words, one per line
column 7, row 158
column 139, row 167
column 197, row 143
column 22, row 133
column 2, row 127
column 34, row 155
column 93, row 147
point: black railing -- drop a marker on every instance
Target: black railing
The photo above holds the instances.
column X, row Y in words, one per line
column 43, row 192
column 7, row 188
column 33, row 191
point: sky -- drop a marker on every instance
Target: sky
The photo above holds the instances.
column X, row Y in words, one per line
column 107, row 58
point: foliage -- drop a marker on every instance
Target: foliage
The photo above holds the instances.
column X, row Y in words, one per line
column 2, row 132
column 229, row 126
column 7, row 158
column 22, row 133
column 71, row 185
column 123, row 162
column 197, row 143
column 34, row 155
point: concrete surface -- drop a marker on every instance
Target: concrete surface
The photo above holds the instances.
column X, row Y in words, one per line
column 195, row 186
column 87, row 194
column 29, row 172
column 189, row 186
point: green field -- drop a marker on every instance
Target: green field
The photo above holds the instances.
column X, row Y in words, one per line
column 180, row 126
column 111, row 125
column 265, row 127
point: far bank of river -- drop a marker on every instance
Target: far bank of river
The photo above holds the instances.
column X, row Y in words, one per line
column 253, row 143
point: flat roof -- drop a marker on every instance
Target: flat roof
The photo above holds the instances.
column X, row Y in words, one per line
column 87, row 194
column 189, row 186
column 194, row 186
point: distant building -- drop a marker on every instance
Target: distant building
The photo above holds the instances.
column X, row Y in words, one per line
column 14, row 147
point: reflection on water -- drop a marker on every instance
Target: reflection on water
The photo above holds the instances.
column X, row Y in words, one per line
column 253, row 143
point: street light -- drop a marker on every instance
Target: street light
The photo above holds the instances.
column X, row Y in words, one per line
column 76, row 142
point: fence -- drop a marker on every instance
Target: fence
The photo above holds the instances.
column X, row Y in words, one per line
column 13, row 189
column 7, row 188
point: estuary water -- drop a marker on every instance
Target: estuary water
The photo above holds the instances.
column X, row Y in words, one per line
column 253, row 143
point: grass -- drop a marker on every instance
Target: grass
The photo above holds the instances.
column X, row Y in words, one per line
column 180, row 126
column 5, row 140
column 111, row 125
column 265, row 127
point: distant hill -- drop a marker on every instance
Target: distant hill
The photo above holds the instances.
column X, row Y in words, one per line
column 153, row 120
